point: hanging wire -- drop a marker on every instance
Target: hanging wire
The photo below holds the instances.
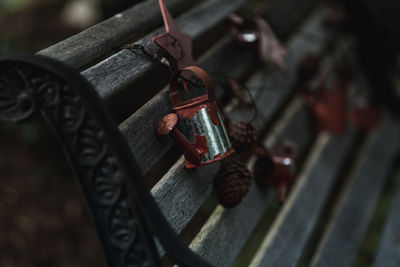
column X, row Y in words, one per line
column 194, row 82
column 218, row 78
column 226, row 79
column 164, row 61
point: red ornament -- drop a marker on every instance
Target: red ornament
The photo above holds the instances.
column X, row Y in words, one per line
column 276, row 169
column 329, row 108
column 257, row 33
column 201, row 135
column 177, row 44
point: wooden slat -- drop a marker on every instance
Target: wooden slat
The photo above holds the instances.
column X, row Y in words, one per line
column 139, row 128
column 181, row 189
column 176, row 180
column 224, row 234
column 285, row 240
column 389, row 250
column 124, row 67
column 180, row 192
column 344, row 234
column 91, row 44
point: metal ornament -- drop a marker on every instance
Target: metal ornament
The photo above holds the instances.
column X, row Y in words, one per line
column 276, row 169
column 329, row 108
column 177, row 44
column 197, row 125
column 256, row 33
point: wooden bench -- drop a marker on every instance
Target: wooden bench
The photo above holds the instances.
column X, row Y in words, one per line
column 340, row 177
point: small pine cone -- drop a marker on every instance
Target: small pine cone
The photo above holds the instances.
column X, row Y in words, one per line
column 242, row 135
column 232, row 183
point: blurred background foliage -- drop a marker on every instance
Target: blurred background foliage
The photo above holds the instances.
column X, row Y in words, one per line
column 31, row 25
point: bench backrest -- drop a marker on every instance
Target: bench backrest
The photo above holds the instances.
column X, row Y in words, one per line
column 133, row 88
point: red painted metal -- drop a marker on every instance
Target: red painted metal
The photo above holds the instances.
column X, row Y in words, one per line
column 168, row 126
column 276, row 168
column 177, row 44
column 329, row 108
column 256, row 33
column 195, row 151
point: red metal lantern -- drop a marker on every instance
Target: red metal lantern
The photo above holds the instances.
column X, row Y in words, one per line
column 199, row 131
column 329, row 108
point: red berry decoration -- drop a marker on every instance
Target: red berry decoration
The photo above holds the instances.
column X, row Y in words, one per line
column 232, row 183
column 242, row 135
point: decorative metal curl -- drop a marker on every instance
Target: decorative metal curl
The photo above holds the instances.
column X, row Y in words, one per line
column 124, row 212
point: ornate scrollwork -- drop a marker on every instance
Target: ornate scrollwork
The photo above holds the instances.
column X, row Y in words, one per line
column 25, row 89
column 16, row 95
column 125, row 214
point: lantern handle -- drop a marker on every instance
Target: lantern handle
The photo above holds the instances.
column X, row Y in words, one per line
column 200, row 73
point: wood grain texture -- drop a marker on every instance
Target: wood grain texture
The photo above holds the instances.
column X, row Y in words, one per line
column 91, row 44
column 285, row 240
column 268, row 102
column 388, row 254
column 180, row 190
column 345, row 232
column 123, row 68
column 179, row 210
column 182, row 206
column 226, row 231
column 270, row 88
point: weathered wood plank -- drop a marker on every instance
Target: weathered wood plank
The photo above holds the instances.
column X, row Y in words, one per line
column 124, row 67
column 179, row 211
column 91, row 44
column 284, row 242
column 269, row 90
column 226, row 231
column 389, row 249
column 176, row 180
column 344, row 234
column 179, row 190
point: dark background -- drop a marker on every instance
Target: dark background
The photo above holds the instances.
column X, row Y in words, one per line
column 43, row 217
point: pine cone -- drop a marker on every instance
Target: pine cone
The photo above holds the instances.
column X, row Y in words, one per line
column 232, row 183
column 242, row 135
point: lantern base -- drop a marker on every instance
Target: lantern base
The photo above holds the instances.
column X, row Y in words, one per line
column 191, row 165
